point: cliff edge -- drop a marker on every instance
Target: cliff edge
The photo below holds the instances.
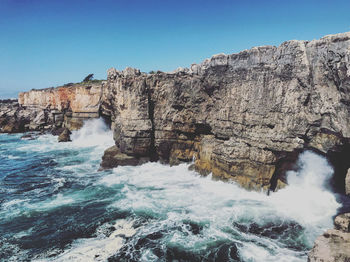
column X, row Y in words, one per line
column 243, row 117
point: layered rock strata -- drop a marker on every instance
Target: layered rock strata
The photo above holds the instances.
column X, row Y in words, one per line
column 15, row 119
column 243, row 117
column 334, row 244
column 51, row 109
column 68, row 106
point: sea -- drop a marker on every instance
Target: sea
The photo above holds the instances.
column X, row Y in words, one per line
column 56, row 206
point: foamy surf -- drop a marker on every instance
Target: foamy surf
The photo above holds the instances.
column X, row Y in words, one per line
column 59, row 208
column 100, row 248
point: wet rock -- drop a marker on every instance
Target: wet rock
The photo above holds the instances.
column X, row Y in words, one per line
column 65, row 136
column 30, row 136
column 334, row 244
column 112, row 157
column 12, row 127
column 56, row 131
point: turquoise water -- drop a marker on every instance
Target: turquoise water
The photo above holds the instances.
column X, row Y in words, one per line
column 55, row 206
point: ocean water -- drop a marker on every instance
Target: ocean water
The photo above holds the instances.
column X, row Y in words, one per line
column 56, row 206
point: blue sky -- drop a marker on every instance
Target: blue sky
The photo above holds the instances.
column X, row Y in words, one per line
column 46, row 43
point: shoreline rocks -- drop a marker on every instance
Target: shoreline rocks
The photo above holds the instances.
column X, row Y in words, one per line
column 64, row 136
column 243, row 117
column 113, row 157
column 334, row 244
column 51, row 109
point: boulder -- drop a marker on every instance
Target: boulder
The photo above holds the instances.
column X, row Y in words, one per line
column 56, row 131
column 112, row 157
column 13, row 126
column 65, row 136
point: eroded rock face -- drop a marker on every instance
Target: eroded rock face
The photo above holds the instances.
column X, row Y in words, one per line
column 334, row 244
column 51, row 109
column 16, row 119
column 243, row 117
column 68, row 105
column 112, row 157
column 79, row 98
column 237, row 115
column 347, row 182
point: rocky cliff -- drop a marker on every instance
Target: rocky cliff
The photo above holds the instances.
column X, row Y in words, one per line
column 51, row 108
column 243, row 117
column 68, row 105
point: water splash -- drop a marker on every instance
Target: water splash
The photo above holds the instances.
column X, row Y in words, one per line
column 307, row 198
column 94, row 132
column 200, row 212
column 151, row 212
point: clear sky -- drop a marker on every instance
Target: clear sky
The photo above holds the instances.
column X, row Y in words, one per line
column 46, row 43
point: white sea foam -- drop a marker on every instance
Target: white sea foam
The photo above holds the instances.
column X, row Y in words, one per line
column 169, row 196
column 93, row 133
column 13, row 202
column 176, row 194
column 99, row 248
column 12, row 157
column 307, row 199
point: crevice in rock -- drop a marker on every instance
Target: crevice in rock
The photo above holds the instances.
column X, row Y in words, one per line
column 307, row 100
column 340, row 160
column 285, row 161
column 152, row 148
column 106, row 118
column 203, row 129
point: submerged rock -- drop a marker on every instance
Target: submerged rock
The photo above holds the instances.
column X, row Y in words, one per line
column 334, row 244
column 65, row 136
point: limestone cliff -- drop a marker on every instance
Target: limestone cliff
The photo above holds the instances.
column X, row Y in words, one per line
column 70, row 104
column 243, row 116
column 51, row 108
